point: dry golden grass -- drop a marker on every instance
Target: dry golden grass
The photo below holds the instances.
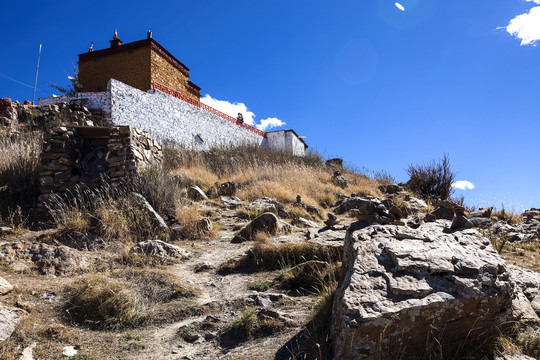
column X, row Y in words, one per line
column 19, row 163
column 123, row 298
column 261, row 173
column 511, row 217
column 270, row 255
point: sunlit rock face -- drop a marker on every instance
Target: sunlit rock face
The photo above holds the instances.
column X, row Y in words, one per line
column 405, row 290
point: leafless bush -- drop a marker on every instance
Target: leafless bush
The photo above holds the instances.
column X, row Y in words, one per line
column 433, row 181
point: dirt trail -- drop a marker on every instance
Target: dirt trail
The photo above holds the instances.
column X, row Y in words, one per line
column 225, row 297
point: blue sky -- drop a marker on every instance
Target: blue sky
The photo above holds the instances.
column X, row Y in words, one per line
column 380, row 87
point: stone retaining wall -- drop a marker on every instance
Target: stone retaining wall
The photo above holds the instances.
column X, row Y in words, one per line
column 96, row 100
column 75, row 155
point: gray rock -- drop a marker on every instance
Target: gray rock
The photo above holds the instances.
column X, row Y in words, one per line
column 461, row 222
column 156, row 218
column 530, row 214
column 267, row 204
column 481, row 213
column 304, row 223
column 529, row 282
column 267, row 222
column 160, row 248
column 340, row 180
column 232, row 202
column 9, row 319
column 402, row 286
column 195, row 193
column 5, row 286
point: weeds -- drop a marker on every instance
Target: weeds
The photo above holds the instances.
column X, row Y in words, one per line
column 261, row 286
column 19, row 169
column 125, row 299
column 268, row 255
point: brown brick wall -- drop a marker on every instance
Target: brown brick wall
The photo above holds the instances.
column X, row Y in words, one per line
column 131, row 67
column 167, row 74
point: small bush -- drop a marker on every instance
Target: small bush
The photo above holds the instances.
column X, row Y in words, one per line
column 433, row 181
column 126, row 298
column 249, row 325
column 268, row 255
column 104, row 303
column 309, row 277
column 261, row 286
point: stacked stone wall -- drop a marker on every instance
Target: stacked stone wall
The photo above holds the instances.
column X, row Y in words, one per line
column 96, row 100
column 66, row 162
column 131, row 67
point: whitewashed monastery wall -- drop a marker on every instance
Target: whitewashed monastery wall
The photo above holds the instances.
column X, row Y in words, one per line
column 167, row 118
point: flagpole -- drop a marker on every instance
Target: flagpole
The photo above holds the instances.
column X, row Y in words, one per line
column 37, row 70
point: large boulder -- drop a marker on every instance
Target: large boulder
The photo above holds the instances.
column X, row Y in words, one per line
column 267, row 223
column 403, row 287
column 529, row 282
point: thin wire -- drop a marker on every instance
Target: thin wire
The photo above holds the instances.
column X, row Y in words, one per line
column 17, row 81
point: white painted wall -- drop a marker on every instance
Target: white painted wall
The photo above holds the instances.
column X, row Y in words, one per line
column 96, row 100
column 167, row 118
column 285, row 140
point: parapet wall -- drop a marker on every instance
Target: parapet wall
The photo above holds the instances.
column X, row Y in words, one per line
column 96, row 100
column 168, row 118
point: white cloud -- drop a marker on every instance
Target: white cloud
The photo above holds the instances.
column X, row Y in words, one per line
column 232, row 109
column 463, row 185
column 526, row 26
column 270, row 123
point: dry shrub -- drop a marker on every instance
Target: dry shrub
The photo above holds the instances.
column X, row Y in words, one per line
column 269, row 255
column 19, row 171
column 101, row 302
column 511, row 217
column 249, row 325
column 125, row 298
column 432, row 182
column 310, row 277
column 113, row 212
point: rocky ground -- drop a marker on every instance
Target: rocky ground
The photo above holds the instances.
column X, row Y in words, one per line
column 42, row 265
